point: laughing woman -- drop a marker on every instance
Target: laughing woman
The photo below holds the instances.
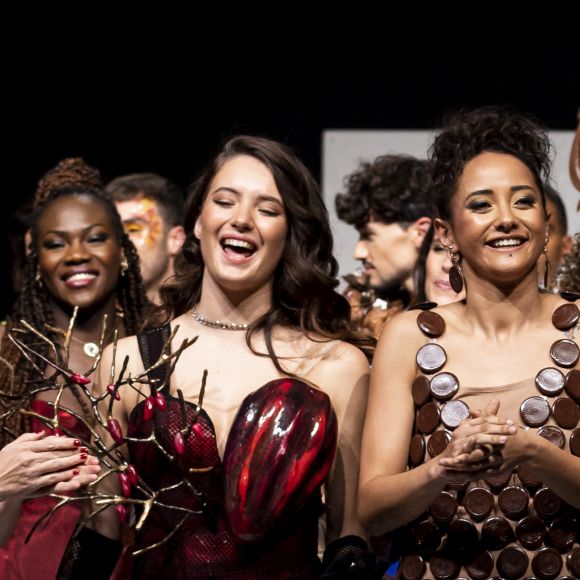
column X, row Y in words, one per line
column 79, row 256
column 285, row 384
column 480, row 465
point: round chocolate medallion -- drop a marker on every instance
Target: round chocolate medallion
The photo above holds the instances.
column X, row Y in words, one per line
column 462, row 535
column 553, row 434
column 530, row 532
column 417, row 450
column 562, row 533
column 420, row 390
column 569, row 295
column 550, row 381
column 546, row 503
column 431, row 323
column 427, row 537
column 428, row 418
column 456, row 279
column 498, row 482
column 535, row 411
column 565, row 316
column 513, row 502
column 445, row 385
column 547, row 564
column 565, row 352
column 575, row 442
column 480, row 566
column 573, row 562
column 438, row 442
column 453, row 413
column 573, row 384
column 496, row 533
column 528, row 479
column 512, row 562
column 443, row 566
column 412, row 567
column 430, row 358
column 566, row 413
column 444, row 507
column 478, row 503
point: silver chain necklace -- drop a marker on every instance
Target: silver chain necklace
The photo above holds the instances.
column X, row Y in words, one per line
column 217, row 323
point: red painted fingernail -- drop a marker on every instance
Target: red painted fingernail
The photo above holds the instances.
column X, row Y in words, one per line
column 83, row 456
column 83, row 450
column 76, row 471
column 76, row 443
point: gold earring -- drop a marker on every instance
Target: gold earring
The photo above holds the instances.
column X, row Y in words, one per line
column 546, row 263
column 124, row 267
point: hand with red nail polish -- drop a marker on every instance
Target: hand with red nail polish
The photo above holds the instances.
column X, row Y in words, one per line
column 34, row 465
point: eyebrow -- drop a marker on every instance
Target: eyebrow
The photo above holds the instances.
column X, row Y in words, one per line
column 84, row 230
column 261, row 197
column 513, row 189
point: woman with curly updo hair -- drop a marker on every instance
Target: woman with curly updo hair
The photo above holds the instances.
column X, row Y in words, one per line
column 479, row 463
column 80, row 257
column 280, row 414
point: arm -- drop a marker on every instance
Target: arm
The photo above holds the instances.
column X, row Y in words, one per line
column 347, row 374
column 389, row 494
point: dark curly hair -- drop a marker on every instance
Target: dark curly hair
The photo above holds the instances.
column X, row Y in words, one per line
column 304, row 295
column 393, row 188
column 467, row 133
column 570, row 276
column 33, row 305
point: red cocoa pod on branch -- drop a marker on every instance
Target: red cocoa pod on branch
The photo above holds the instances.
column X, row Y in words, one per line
column 132, row 474
column 115, row 430
column 149, row 408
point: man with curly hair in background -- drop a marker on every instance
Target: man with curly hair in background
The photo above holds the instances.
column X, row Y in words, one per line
column 386, row 201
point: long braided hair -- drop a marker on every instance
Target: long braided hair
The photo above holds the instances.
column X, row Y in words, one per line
column 17, row 375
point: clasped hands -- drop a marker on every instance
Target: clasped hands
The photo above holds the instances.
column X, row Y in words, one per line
column 34, row 465
column 483, row 445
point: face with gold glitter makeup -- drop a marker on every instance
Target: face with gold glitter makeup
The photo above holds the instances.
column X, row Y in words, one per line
column 145, row 227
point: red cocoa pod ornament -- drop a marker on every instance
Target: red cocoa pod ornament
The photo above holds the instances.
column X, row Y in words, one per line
column 122, row 512
column 132, row 474
column 115, row 430
column 179, row 443
column 113, row 391
column 79, row 379
column 160, row 401
column 125, row 484
column 149, row 408
column 279, row 451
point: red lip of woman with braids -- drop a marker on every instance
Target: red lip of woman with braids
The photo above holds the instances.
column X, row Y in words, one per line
column 79, row 257
column 481, row 396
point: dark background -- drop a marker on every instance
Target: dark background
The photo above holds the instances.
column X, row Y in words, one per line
column 134, row 99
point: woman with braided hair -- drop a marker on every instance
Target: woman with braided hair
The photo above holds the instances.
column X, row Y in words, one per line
column 80, row 257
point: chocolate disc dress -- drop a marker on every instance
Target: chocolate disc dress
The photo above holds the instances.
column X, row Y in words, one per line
column 508, row 526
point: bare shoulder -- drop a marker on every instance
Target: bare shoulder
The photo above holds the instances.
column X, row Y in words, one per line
column 127, row 346
column 400, row 333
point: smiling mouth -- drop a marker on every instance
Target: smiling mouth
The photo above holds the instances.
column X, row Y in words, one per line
column 238, row 248
column 79, row 279
column 506, row 243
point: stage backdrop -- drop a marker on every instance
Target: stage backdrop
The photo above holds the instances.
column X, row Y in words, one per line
column 342, row 151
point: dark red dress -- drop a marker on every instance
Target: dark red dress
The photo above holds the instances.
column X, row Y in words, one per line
column 40, row 558
column 205, row 546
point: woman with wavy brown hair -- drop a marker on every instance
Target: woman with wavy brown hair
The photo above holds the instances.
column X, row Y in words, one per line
column 286, row 383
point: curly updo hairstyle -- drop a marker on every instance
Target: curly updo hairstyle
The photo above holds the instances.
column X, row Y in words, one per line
column 304, row 295
column 391, row 189
column 467, row 133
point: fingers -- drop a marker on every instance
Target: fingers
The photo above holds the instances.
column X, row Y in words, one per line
column 70, row 479
column 62, row 463
column 53, row 443
column 491, row 409
column 29, row 437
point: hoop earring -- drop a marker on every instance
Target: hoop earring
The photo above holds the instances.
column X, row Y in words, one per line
column 124, row 267
column 547, row 266
column 456, row 279
column 38, row 277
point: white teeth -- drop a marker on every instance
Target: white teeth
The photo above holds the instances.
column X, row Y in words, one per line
column 503, row 243
column 238, row 243
column 81, row 276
